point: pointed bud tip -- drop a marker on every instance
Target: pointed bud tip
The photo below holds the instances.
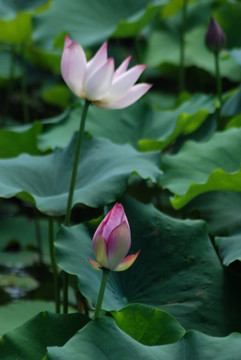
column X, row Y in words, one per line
column 67, row 41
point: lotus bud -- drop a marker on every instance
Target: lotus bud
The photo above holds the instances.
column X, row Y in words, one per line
column 112, row 241
column 215, row 38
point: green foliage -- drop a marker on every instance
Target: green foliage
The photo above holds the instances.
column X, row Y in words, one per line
column 220, row 209
column 196, row 53
column 92, row 22
column 23, row 138
column 147, row 325
column 30, row 340
column 229, row 248
column 85, row 345
column 172, row 156
column 138, row 125
column 16, row 31
column 57, row 95
column 217, row 167
column 15, row 314
column 177, row 269
column 45, row 182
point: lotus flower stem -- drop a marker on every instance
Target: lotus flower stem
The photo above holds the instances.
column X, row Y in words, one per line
column 182, row 46
column 218, row 78
column 101, row 293
column 38, row 238
column 71, row 191
column 54, row 265
column 76, row 162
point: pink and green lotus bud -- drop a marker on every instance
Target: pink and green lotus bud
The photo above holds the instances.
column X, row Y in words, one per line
column 215, row 38
column 112, row 241
column 97, row 80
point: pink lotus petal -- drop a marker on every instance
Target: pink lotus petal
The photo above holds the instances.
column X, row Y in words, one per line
column 73, row 66
column 67, row 41
column 96, row 62
column 94, row 264
column 97, row 81
column 100, row 81
column 115, row 217
column 132, row 95
column 123, row 83
column 118, row 245
column 122, row 68
column 127, row 262
column 100, row 251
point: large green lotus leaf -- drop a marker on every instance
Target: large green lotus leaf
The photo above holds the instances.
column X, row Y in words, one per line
column 232, row 106
column 167, row 126
column 131, row 125
column 11, row 7
column 202, row 167
column 16, row 313
column 30, row 341
column 103, row 173
column 221, row 209
column 17, row 140
column 177, row 270
column 148, row 325
column 196, row 54
column 17, row 30
column 103, row 340
column 92, row 22
column 229, row 248
column 119, row 126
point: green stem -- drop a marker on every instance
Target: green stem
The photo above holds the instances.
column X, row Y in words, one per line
column 182, row 47
column 39, row 238
column 71, row 191
column 24, row 89
column 101, row 293
column 54, row 266
column 218, row 78
column 65, row 292
column 76, row 163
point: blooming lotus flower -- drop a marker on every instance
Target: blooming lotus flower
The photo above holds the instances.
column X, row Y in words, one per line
column 215, row 38
column 112, row 241
column 96, row 79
